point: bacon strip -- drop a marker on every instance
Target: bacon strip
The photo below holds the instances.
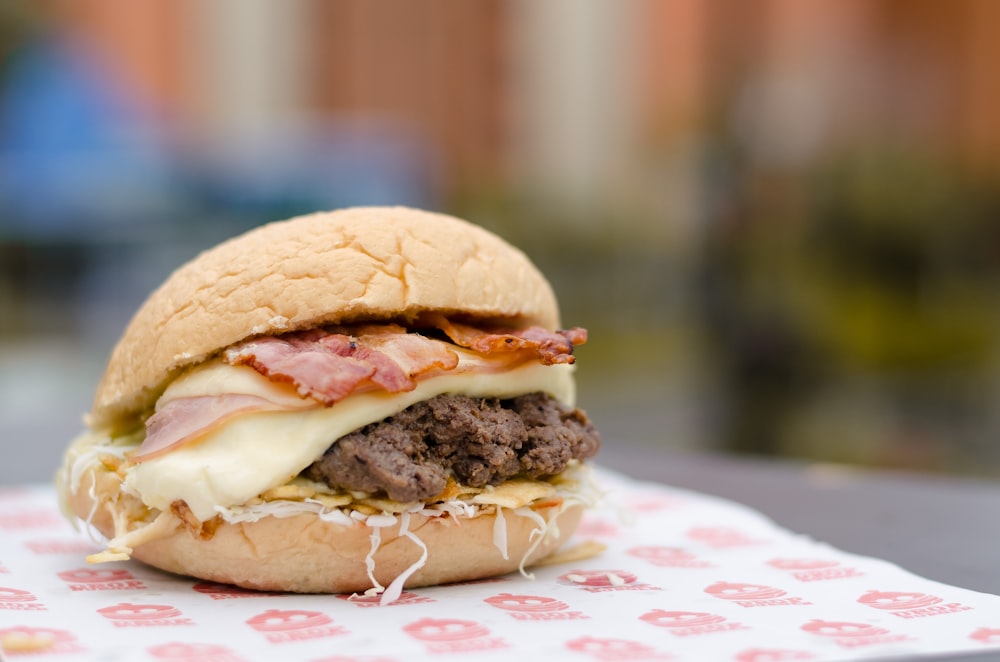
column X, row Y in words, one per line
column 323, row 371
column 412, row 354
column 550, row 346
column 185, row 419
column 328, row 366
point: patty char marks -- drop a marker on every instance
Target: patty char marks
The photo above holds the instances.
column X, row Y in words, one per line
column 483, row 441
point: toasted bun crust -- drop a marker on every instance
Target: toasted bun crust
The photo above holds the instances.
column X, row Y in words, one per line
column 305, row 554
column 350, row 265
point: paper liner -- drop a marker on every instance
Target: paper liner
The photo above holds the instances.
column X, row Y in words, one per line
column 684, row 576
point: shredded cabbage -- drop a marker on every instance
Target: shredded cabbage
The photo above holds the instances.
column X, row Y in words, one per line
column 500, row 533
column 92, row 531
column 395, row 588
column 543, row 527
column 376, row 540
column 332, row 515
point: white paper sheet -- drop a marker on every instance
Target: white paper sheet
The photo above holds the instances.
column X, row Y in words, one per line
column 685, row 576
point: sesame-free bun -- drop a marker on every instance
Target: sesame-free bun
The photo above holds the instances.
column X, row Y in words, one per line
column 359, row 264
column 306, row 554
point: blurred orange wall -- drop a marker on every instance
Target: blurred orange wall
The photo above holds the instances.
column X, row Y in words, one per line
column 446, row 66
column 145, row 40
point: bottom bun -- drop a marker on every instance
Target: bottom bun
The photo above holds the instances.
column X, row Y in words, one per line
column 306, row 554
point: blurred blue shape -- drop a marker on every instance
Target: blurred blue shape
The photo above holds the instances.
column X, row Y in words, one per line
column 76, row 149
column 57, row 99
column 313, row 166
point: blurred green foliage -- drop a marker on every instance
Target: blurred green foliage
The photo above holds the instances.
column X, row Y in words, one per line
column 906, row 265
column 861, row 289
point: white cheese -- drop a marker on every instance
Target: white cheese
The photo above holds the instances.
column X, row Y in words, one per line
column 258, row 451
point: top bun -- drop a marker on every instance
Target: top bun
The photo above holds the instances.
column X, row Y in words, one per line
column 359, row 264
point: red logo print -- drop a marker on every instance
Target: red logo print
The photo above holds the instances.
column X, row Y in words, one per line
column 228, row 592
column 13, row 493
column 60, row 546
column 23, row 521
column 752, row 595
column 405, row 598
column 721, row 537
column 910, row 604
column 126, row 614
column 452, row 635
column 185, row 652
column 811, row 570
column 100, row 579
column 438, row 629
column 598, row 581
column 687, row 623
column 533, row 607
column 986, row 635
column 615, row 650
column 897, row 600
column 850, row 635
column 652, row 503
column 771, row 655
column 41, row 640
column 597, row 528
column 3, row 569
column 668, row 557
column 287, row 625
column 484, row 580
column 19, row 599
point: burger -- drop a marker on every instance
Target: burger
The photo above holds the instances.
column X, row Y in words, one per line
column 348, row 401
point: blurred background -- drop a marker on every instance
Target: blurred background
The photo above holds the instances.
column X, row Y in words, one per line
column 778, row 219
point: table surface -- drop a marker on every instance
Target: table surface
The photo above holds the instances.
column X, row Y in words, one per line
column 942, row 528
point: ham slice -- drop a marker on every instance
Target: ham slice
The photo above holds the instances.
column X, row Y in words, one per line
column 184, row 419
column 328, row 366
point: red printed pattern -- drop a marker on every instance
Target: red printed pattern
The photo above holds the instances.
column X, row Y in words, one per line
column 453, row 635
column 534, row 607
column 127, row 614
column 100, row 579
column 753, row 595
column 910, row 604
column 291, row 625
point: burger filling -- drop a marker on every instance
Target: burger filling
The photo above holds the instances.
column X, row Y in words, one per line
column 373, row 409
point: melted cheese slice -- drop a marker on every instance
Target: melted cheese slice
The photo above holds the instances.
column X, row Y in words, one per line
column 258, row 451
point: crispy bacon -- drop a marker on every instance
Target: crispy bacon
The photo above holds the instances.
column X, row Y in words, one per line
column 550, row 346
column 324, row 371
column 414, row 355
column 185, row 419
column 328, row 366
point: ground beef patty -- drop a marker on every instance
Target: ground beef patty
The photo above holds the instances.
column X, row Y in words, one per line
column 483, row 441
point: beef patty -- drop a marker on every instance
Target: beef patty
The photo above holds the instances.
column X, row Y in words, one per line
column 481, row 441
